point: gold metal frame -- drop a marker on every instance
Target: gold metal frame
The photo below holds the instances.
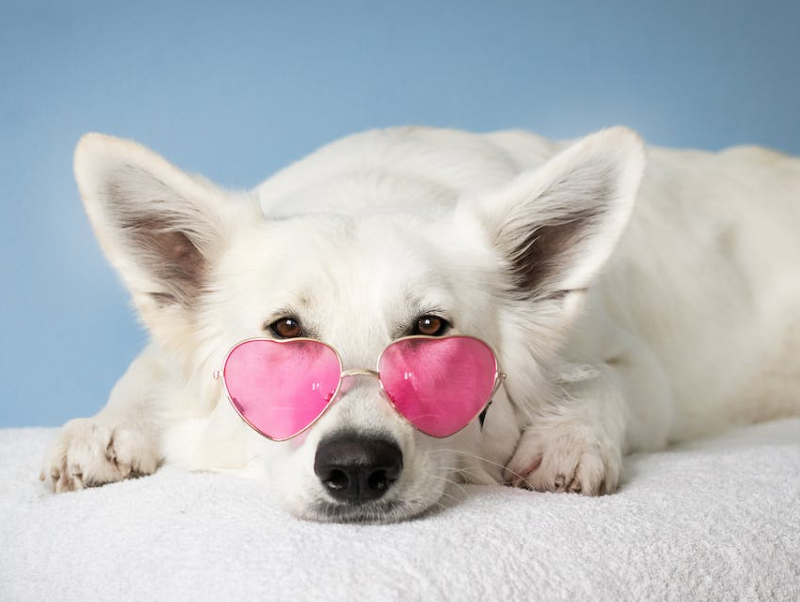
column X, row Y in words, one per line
column 499, row 378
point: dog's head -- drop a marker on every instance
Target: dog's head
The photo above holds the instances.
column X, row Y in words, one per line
column 206, row 270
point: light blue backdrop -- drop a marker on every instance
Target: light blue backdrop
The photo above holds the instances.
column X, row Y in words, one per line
column 236, row 89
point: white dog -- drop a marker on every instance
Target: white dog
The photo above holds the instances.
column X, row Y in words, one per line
column 619, row 327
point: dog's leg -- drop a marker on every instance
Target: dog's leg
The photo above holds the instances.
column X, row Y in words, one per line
column 576, row 445
column 121, row 441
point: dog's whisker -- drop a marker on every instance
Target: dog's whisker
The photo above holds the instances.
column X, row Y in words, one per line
column 505, row 468
column 450, row 496
column 449, row 481
column 437, row 502
column 459, row 471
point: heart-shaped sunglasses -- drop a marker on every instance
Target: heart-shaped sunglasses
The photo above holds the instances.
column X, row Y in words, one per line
column 438, row 384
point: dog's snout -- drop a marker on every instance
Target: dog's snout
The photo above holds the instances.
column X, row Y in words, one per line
column 357, row 469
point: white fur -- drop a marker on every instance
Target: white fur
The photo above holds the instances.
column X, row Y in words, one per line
column 674, row 322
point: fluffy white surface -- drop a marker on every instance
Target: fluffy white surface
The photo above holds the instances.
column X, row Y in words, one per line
column 717, row 520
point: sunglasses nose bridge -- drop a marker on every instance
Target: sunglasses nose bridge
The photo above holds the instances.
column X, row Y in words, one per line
column 359, row 372
column 345, row 383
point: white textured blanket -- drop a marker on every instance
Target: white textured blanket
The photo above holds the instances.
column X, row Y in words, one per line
column 719, row 520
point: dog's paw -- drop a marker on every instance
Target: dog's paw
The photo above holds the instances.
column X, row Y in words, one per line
column 89, row 452
column 565, row 458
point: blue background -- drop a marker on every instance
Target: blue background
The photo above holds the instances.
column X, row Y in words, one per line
column 236, row 90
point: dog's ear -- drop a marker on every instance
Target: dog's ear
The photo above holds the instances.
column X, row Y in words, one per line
column 159, row 227
column 558, row 224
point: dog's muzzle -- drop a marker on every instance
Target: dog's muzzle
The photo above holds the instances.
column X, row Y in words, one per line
column 356, row 469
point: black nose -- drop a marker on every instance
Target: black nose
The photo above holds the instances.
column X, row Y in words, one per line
column 354, row 468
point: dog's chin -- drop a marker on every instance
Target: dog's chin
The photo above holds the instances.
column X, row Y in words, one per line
column 382, row 512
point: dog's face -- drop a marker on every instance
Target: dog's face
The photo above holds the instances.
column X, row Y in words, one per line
column 356, row 284
column 207, row 270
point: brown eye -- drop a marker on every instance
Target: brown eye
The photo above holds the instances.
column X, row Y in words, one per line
column 286, row 328
column 432, row 326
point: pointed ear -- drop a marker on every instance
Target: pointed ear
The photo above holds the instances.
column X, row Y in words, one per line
column 159, row 227
column 558, row 224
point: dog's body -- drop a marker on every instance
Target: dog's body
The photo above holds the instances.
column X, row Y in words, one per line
column 693, row 325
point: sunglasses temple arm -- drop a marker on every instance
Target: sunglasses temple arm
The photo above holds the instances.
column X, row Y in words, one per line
column 500, row 379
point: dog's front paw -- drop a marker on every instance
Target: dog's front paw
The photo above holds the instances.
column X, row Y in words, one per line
column 565, row 457
column 90, row 452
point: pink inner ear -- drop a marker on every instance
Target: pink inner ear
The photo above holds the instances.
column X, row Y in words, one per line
column 280, row 388
column 439, row 385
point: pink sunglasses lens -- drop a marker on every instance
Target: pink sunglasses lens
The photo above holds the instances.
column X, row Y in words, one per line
column 438, row 385
column 280, row 388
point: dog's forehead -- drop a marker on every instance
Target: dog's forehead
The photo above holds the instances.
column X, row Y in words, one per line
column 356, row 281
column 342, row 253
column 364, row 288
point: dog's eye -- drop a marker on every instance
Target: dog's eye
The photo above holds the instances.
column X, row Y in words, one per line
column 286, row 328
column 432, row 326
